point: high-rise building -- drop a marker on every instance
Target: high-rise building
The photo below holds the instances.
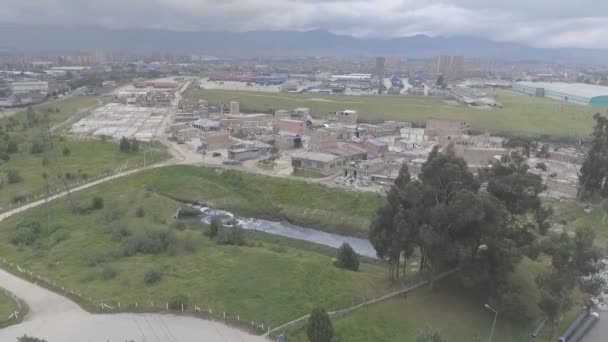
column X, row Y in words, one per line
column 380, row 62
column 452, row 66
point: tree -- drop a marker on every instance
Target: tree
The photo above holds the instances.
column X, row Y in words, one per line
column 215, row 226
column 66, row 151
column 14, row 177
column 429, row 334
column 97, row 203
column 319, row 328
column 592, row 176
column 37, row 148
column 26, row 338
column 572, row 258
column 125, row 145
column 134, row 145
column 347, row 258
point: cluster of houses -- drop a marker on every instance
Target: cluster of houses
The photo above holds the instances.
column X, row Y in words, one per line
column 337, row 144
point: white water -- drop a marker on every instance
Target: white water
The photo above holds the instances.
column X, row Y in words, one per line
column 361, row 246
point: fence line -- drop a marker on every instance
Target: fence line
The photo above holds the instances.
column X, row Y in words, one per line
column 136, row 306
column 58, row 188
column 368, row 302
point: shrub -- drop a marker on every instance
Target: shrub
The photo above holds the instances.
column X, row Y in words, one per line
column 5, row 156
column 125, row 145
column 24, row 236
column 541, row 166
column 66, row 151
column 60, row 235
column 109, row 272
column 215, row 227
column 26, row 338
column 37, row 148
column 176, row 302
column 231, row 236
column 190, row 243
column 18, row 199
column 319, row 327
column 14, row 176
column 134, row 145
column 429, row 334
column 153, row 276
column 12, row 147
column 151, row 242
column 97, row 203
column 140, row 212
column 347, row 258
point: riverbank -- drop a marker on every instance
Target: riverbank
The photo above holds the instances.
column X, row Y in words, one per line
column 130, row 251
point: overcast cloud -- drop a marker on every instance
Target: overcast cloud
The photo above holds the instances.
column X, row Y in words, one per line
column 542, row 23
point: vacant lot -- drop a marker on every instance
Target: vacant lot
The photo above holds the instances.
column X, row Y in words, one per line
column 30, row 159
column 521, row 114
column 109, row 253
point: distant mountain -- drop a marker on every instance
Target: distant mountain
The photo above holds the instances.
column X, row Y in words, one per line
column 277, row 43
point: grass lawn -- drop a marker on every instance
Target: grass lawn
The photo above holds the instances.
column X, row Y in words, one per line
column 571, row 215
column 73, row 158
column 57, row 112
column 86, row 159
column 272, row 280
column 458, row 314
column 7, row 306
column 307, row 204
column 521, row 114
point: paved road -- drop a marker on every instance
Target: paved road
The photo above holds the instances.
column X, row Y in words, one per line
column 599, row 333
column 58, row 319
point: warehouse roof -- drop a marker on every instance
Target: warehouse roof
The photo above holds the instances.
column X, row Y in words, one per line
column 316, row 156
column 575, row 89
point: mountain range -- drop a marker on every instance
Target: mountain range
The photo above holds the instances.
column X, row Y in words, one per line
column 280, row 44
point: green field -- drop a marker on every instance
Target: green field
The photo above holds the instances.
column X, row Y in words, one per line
column 521, row 114
column 75, row 159
column 571, row 215
column 264, row 196
column 272, row 280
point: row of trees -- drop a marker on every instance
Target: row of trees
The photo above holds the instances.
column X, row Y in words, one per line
column 483, row 225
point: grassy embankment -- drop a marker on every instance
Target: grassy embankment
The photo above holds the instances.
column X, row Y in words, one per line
column 74, row 158
column 521, row 114
column 270, row 281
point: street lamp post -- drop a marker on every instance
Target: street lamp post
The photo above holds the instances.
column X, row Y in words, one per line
column 494, row 322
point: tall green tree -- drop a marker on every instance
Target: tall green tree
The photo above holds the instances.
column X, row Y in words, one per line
column 593, row 173
column 319, row 328
column 125, row 145
column 572, row 258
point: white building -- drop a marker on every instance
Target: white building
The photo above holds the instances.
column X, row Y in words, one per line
column 24, row 87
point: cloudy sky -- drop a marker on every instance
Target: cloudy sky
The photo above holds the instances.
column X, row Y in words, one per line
column 542, row 23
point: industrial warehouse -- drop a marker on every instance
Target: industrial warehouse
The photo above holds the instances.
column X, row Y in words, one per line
column 577, row 93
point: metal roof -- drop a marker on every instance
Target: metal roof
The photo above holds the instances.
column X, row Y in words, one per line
column 574, row 89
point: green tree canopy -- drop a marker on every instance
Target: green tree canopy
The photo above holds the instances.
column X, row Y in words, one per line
column 319, row 328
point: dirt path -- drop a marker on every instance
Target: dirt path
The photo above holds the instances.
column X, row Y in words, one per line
column 57, row 319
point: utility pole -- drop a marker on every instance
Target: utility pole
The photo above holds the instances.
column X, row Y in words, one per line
column 494, row 322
